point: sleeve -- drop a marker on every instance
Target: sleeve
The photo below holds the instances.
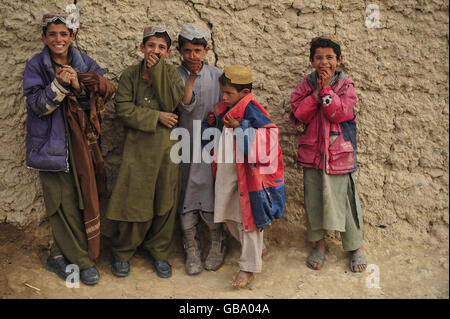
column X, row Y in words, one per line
column 187, row 108
column 168, row 85
column 140, row 118
column 41, row 99
column 339, row 107
column 255, row 136
column 304, row 103
column 93, row 65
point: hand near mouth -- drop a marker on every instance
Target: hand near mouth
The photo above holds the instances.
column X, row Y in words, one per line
column 325, row 76
column 152, row 60
column 194, row 67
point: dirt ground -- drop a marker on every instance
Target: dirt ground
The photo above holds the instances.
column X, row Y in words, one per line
column 406, row 270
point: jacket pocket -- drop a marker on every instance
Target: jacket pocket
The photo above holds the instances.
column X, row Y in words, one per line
column 307, row 150
column 341, row 155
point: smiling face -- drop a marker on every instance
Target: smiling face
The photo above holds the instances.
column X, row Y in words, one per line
column 155, row 45
column 58, row 39
column 325, row 58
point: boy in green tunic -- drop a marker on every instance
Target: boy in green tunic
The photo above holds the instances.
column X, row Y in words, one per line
column 144, row 201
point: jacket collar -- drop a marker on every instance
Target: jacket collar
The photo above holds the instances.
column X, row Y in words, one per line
column 238, row 110
column 313, row 78
column 77, row 64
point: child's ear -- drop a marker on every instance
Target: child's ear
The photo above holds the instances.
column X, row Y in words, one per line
column 339, row 61
column 142, row 48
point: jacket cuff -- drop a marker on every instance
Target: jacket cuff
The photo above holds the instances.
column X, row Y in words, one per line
column 59, row 90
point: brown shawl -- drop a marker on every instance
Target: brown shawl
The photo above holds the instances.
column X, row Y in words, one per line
column 89, row 163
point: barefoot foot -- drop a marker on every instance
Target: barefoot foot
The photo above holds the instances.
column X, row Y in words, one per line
column 241, row 279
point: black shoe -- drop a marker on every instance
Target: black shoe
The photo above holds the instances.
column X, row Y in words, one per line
column 57, row 265
column 121, row 268
column 89, row 276
column 162, row 267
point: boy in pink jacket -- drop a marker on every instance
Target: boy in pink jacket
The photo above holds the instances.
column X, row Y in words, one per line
column 324, row 104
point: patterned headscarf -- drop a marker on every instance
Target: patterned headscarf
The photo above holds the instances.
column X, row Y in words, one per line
column 152, row 29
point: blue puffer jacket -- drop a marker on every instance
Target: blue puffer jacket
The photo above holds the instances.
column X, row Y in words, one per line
column 46, row 142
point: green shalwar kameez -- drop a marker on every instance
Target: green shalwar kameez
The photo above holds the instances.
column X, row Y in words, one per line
column 145, row 197
column 64, row 206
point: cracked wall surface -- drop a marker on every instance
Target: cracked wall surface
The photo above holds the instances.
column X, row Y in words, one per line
column 400, row 72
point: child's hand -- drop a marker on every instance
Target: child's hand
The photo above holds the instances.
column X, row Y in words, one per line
column 63, row 76
column 230, row 121
column 73, row 76
column 152, row 60
column 325, row 78
column 194, row 67
column 168, row 119
column 211, row 119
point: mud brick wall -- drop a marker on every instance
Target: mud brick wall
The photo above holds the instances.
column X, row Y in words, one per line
column 400, row 69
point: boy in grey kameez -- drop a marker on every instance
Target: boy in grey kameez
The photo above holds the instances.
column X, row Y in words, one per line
column 202, row 92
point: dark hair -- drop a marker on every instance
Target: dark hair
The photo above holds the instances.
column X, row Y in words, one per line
column 44, row 29
column 223, row 80
column 324, row 43
column 196, row 41
column 163, row 35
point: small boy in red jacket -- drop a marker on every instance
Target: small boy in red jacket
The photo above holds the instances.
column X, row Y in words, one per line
column 324, row 102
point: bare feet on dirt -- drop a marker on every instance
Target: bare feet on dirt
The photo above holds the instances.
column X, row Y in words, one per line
column 242, row 279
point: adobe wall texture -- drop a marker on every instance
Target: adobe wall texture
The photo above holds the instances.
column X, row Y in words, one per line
column 400, row 71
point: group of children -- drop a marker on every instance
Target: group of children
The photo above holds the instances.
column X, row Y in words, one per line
column 245, row 192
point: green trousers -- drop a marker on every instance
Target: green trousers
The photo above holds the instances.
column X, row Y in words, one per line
column 332, row 203
column 66, row 218
column 155, row 236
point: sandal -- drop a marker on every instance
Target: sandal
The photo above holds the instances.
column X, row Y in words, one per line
column 357, row 259
column 317, row 257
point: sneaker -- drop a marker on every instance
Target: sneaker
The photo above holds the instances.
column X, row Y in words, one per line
column 89, row 276
column 57, row 265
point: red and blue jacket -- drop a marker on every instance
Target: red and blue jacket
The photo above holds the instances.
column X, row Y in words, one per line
column 259, row 163
column 330, row 126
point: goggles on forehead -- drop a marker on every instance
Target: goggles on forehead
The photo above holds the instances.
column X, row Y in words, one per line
column 151, row 30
